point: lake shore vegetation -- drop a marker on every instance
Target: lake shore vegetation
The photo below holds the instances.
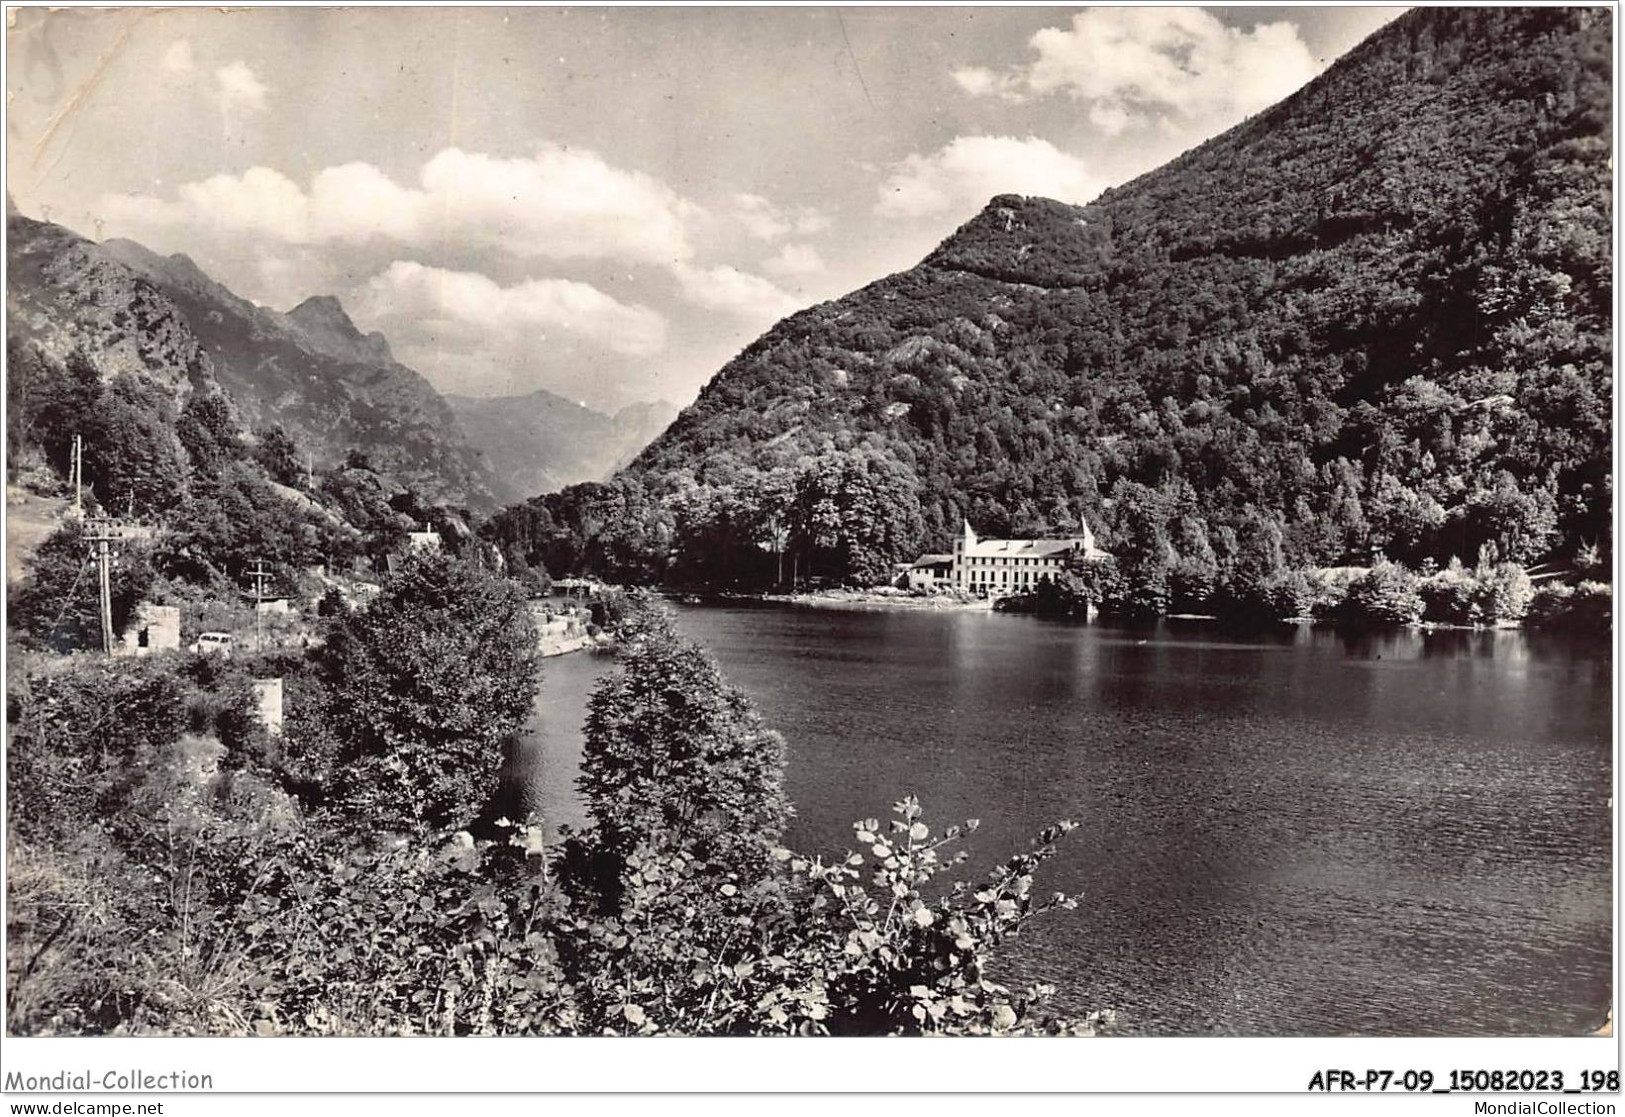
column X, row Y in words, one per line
column 175, row 869
column 1490, row 594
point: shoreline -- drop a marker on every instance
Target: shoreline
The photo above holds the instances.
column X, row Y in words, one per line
column 902, row 601
column 548, row 649
column 870, row 599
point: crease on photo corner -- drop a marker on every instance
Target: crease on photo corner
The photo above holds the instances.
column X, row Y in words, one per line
column 82, row 92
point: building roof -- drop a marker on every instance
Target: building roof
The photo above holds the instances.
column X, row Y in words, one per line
column 1024, row 548
column 934, row 560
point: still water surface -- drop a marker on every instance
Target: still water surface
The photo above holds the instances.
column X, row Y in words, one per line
column 1299, row 833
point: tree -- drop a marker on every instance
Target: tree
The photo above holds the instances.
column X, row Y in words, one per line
column 427, row 685
column 208, row 430
column 1521, row 521
column 532, row 577
column 279, row 454
column 855, row 513
column 672, row 748
column 688, row 916
column 1194, row 576
column 58, row 606
column 44, row 401
column 133, row 459
column 1452, row 596
column 236, row 518
column 1140, row 544
column 1504, row 591
column 1245, row 590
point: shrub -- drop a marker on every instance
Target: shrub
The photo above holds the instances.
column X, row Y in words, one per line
column 78, row 730
column 1587, row 607
column 1491, row 593
column 1387, row 594
column 1452, row 596
column 1290, row 594
column 852, row 947
column 1504, row 592
column 690, row 918
column 207, row 907
column 1277, row 596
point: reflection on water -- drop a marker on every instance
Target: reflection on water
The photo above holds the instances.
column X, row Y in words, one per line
column 1294, row 832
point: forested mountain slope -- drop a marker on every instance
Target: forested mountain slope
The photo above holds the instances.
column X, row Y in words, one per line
column 102, row 350
column 1375, row 317
column 312, row 372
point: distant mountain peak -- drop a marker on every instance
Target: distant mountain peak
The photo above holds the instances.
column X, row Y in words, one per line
column 325, row 311
column 324, row 320
column 542, row 441
column 184, row 267
column 311, row 371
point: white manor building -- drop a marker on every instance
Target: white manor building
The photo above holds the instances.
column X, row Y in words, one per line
column 1000, row 567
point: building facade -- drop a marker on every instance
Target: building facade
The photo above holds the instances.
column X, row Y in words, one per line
column 930, row 572
column 1002, row 567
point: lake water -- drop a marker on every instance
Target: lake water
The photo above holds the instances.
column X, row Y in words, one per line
column 1298, row 833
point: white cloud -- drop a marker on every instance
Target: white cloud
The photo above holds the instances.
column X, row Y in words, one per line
column 968, row 171
column 738, row 292
column 979, row 81
column 764, row 220
column 178, row 58
column 473, row 306
column 561, row 203
column 239, row 89
column 1110, row 117
column 1176, row 67
column 794, row 260
column 356, row 201
column 259, row 200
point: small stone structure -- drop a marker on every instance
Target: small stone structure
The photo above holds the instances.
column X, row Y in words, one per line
column 153, row 628
column 268, row 705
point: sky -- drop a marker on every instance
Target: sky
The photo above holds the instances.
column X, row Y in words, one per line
column 608, row 203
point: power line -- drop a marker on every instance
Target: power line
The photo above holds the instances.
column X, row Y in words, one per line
column 78, row 470
column 67, row 602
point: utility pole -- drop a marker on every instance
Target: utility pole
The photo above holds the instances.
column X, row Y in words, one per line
column 100, row 533
column 78, row 472
column 260, row 576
